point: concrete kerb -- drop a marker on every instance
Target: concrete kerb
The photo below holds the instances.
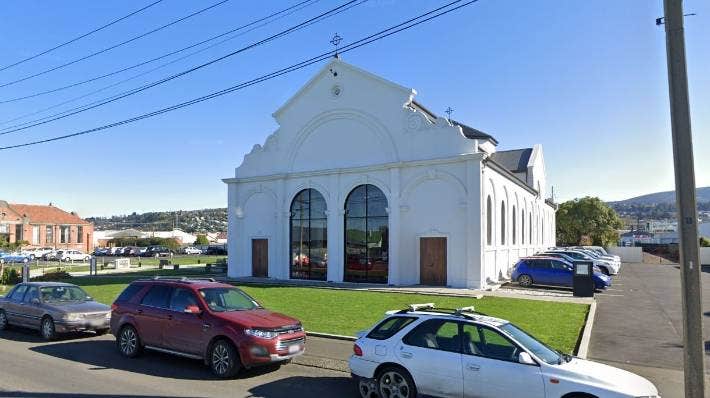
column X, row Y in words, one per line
column 583, row 348
column 331, row 336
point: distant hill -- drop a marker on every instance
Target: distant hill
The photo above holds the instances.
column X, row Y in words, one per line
column 668, row 197
column 204, row 220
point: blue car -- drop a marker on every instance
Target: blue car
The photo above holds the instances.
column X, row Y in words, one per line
column 551, row 271
column 13, row 258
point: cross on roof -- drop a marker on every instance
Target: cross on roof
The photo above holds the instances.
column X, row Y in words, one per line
column 335, row 41
column 449, row 111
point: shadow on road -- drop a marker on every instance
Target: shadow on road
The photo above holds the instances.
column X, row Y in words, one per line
column 300, row 386
column 23, row 394
column 103, row 354
column 24, row 335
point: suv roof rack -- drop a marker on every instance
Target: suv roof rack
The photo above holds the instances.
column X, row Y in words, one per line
column 182, row 278
column 464, row 312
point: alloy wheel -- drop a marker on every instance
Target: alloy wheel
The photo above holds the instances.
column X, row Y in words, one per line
column 394, row 385
column 3, row 320
column 368, row 388
column 47, row 328
column 128, row 341
column 525, row 280
column 221, row 360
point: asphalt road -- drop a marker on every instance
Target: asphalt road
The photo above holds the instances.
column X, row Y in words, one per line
column 639, row 324
column 85, row 366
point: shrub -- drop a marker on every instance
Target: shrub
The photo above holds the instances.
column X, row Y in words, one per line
column 10, row 276
column 52, row 276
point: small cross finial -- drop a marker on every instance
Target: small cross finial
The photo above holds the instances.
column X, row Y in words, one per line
column 335, row 41
column 449, row 111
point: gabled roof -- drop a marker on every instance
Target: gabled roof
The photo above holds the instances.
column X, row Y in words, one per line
column 46, row 214
column 468, row 131
column 515, row 160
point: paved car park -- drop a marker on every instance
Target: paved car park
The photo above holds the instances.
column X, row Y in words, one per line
column 84, row 366
column 638, row 324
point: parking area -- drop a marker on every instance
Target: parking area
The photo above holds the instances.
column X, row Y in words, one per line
column 638, row 324
column 91, row 367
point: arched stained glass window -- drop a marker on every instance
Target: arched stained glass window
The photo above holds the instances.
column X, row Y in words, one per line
column 366, row 235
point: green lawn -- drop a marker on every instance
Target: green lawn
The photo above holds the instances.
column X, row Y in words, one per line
column 346, row 312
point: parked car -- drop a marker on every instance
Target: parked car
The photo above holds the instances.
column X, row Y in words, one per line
column 37, row 252
column 15, row 257
column 157, row 251
column 101, row 251
column 131, row 251
column 551, row 271
column 602, row 252
column 422, row 351
column 51, row 256
column 191, row 250
column 216, row 251
column 53, row 308
column 115, row 251
column 72, row 255
column 605, row 266
column 206, row 320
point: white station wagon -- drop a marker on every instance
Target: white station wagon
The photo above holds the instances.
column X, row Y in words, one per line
column 461, row 353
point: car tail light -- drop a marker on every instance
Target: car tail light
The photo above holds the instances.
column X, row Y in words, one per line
column 357, row 350
column 114, row 307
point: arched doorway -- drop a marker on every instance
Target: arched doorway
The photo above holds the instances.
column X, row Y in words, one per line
column 366, row 235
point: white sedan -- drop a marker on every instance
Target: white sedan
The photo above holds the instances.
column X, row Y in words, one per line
column 72, row 255
column 460, row 353
column 191, row 250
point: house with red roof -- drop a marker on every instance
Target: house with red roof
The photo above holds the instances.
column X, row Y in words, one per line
column 45, row 226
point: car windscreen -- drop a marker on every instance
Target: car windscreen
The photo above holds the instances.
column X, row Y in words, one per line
column 221, row 299
column 62, row 293
column 542, row 351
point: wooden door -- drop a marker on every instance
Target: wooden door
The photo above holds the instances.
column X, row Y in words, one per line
column 432, row 261
column 260, row 258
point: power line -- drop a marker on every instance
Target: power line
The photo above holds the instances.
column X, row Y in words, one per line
column 115, row 21
column 293, row 8
column 96, row 104
column 350, row 47
column 115, row 45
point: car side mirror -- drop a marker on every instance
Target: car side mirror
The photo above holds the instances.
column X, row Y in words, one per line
column 526, row 359
column 35, row 301
column 192, row 309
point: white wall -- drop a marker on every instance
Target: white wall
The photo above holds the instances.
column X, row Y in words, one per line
column 705, row 255
column 627, row 254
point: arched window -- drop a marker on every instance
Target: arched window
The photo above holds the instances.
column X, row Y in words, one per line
column 502, row 223
column 309, row 236
column 515, row 230
column 522, row 226
column 489, row 221
column 531, row 231
column 366, row 235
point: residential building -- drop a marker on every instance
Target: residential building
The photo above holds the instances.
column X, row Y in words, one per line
column 362, row 183
column 45, row 225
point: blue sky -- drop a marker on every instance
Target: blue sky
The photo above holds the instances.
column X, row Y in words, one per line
column 586, row 79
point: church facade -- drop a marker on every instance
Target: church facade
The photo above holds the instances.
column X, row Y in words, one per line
column 361, row 183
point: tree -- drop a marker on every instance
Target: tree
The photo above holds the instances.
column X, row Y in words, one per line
column 202, row 240
column 704, row 242
column 587, row 220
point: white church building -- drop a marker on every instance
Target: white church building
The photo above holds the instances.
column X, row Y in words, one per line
column 361, row 183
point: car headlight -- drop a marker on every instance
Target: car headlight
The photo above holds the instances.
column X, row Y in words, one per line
column 264, row 334
column 73, row 317
column 108, row 316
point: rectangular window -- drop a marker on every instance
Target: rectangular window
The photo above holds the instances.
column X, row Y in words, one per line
column 4, row 228
column 389, row 327
column 35, row 235
column 157, row 296
column 79, row 234
column 64, row 234
column 18, row 232
column 49, row 235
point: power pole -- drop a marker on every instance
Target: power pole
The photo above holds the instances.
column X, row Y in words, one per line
column 693, row 358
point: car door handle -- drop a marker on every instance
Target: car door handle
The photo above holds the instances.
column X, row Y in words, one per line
column 206, row 326
column 406, row 354
column 473, row 367
column 170, row 317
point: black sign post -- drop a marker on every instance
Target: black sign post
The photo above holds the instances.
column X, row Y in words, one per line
column 583, row 283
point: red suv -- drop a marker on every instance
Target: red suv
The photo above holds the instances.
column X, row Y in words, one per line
column 203, row 319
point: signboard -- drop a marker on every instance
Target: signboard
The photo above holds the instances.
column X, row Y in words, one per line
column 123, row 263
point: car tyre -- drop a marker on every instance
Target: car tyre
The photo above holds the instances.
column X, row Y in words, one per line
column 525, row 280
column 128, row 342
column 224, row 360
column 605, row 271
column 367, row 388
column 47, row 329
column 4, row 324
column 395, row 382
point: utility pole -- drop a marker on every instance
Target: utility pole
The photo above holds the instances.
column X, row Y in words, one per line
column 693, row 355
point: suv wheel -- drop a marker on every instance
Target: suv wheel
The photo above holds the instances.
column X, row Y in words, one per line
column 395, row 382
column 3, row 320
column 604, row 270
column 525, row 280
column 224, row 360
column 128, row 341
column 47, row 330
